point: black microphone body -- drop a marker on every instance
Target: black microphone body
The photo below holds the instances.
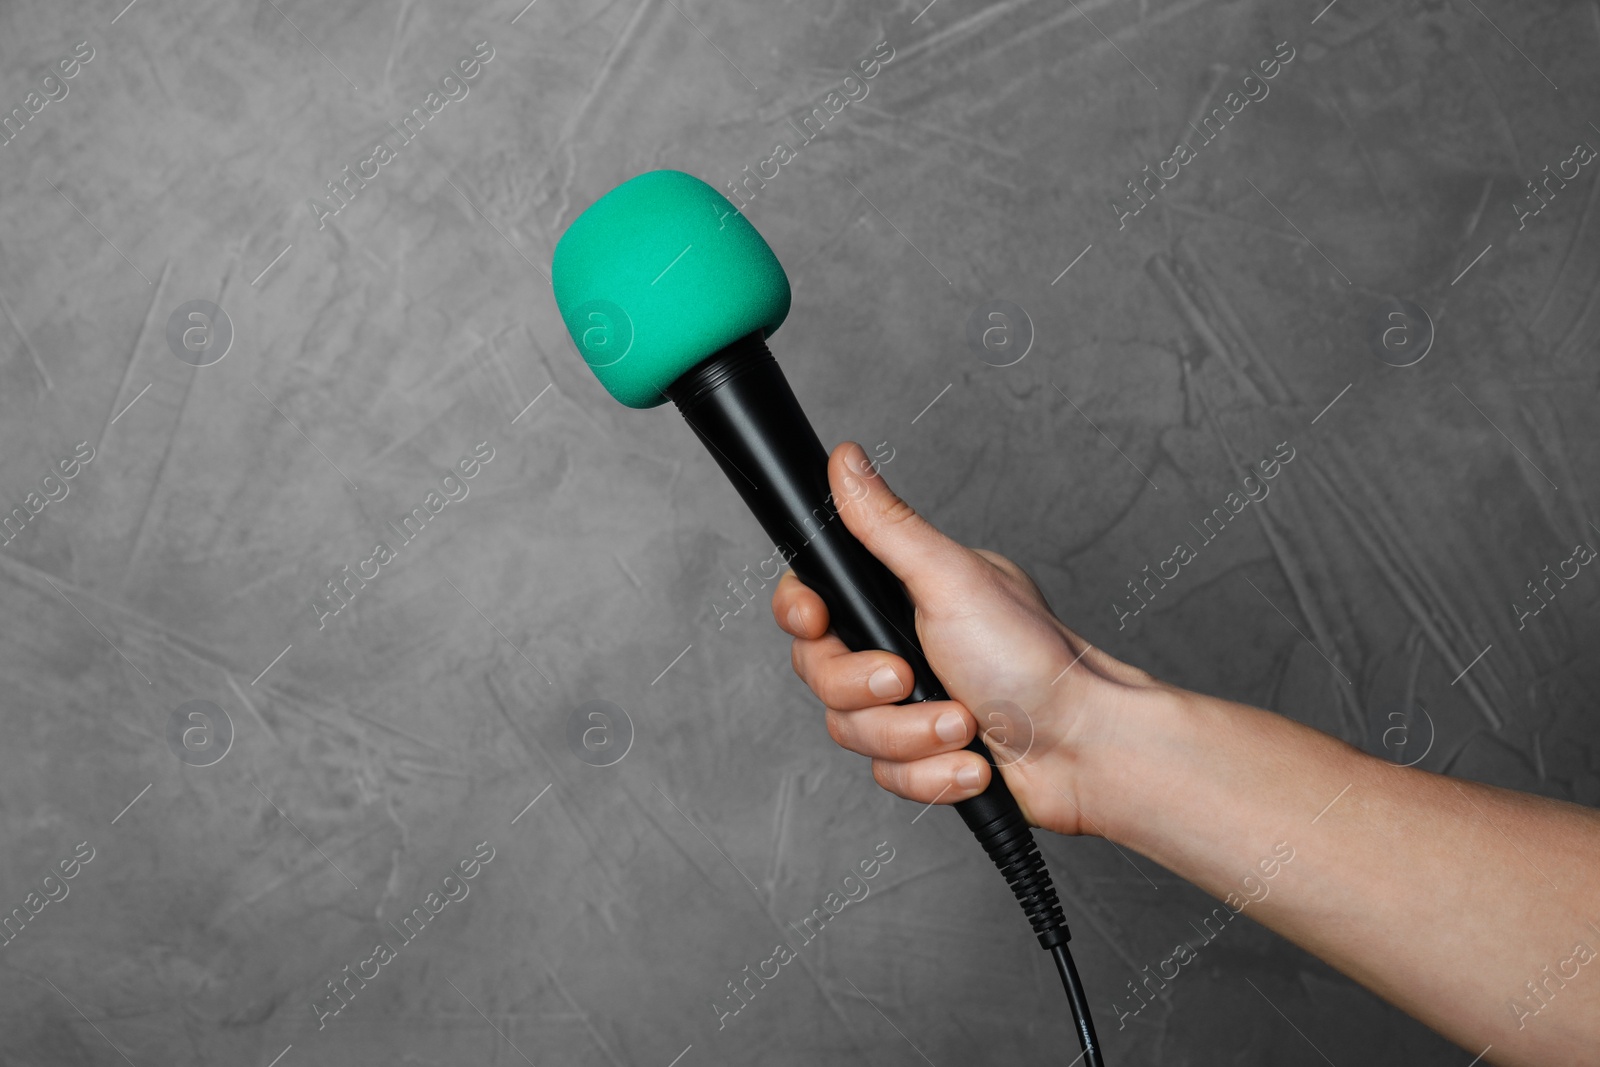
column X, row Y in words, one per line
column 741, row 406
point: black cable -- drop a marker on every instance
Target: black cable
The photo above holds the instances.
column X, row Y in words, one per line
column 1080, row 1007
column 1009, row 842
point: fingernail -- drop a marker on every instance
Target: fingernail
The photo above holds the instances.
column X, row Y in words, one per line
column 885, row 683
column 951, row 726
column 967, row 776
column 796, row 621
column 852, row 488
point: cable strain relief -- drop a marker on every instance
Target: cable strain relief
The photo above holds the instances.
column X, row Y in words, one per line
column 1059, row 935
column 1010, row 845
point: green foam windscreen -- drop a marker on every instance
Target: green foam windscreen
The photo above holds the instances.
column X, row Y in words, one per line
column 657, row 275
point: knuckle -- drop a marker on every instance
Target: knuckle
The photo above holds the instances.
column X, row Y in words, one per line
column 830, row 689
column 888, row 775
column 897, row 511
column 836, row 728
column 998, row 561
column 886, row 741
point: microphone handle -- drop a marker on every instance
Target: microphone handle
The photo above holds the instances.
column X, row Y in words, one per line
column 740, row 404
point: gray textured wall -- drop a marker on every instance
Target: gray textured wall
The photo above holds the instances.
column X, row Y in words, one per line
column 374, row 349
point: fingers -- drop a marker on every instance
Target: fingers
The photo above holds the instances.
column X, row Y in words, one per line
column 850, row 680
column 902, row 733
column 918, row 751
column 943, row 779
column 798, row 610
column 908, row 544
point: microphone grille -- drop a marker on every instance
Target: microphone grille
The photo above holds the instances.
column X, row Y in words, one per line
column 657, row 275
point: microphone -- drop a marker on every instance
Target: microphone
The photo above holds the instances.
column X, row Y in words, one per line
column 670, row 294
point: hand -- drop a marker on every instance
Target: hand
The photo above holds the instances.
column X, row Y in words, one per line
column 1043, row 696
column 1216, row 791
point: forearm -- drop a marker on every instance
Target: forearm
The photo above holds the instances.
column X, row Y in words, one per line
column 1443, row 896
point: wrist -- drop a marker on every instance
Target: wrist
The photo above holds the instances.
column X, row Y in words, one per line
column 1138, row 752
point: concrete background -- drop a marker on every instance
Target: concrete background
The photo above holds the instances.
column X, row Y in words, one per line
column 364, row 760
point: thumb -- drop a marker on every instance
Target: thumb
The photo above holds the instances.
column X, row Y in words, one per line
column 924, row 559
